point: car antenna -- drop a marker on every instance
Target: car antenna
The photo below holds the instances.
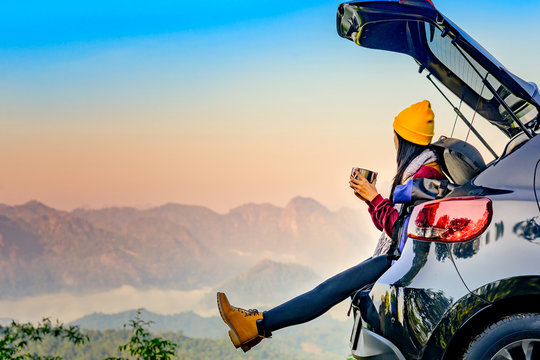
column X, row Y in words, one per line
column 462, row 117
column 494, row 92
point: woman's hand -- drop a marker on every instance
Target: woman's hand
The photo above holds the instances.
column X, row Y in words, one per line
column 363, row 189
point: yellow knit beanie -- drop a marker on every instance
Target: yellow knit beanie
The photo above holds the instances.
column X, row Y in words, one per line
column 415, row 123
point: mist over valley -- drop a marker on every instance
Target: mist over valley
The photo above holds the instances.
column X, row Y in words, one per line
column 94, row 267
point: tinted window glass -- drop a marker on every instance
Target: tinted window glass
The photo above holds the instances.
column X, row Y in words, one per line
column 447, row 53
column 443, row 49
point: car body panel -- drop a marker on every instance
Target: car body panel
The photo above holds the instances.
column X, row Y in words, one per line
column 428, row 295
column 503, row 251
column 510, row 246
column 512, row 176
column 407, row 303
column 537, row 182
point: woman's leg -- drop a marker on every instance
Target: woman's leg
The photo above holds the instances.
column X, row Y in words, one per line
column 316, row 302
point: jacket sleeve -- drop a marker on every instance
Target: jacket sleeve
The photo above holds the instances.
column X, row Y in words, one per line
column 382, row 212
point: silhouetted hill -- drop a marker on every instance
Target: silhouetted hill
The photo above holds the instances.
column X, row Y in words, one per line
column 189, row 323
column 44, row 250
column 323, row 338
column 266, row 284
column 27, row 211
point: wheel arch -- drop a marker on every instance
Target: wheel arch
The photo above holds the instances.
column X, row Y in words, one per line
column 479, row 309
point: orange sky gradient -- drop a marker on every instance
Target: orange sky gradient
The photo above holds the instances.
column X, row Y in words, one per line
column 249, row 114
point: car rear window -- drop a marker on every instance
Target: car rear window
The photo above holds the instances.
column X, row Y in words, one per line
column 446, row 52
column 455, row 61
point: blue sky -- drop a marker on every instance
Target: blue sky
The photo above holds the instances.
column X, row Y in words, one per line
column 34, row 24
column 136, row 102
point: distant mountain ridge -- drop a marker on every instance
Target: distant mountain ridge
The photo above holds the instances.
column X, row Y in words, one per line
column 323, row 338
column 329, row 335
column 44, row 250
column 189, row 323
column 267, row 283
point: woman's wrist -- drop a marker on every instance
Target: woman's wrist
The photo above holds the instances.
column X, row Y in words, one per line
column 372, row 196
column 376, row 200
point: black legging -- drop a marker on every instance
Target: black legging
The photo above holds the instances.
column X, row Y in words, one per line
column 316, row 302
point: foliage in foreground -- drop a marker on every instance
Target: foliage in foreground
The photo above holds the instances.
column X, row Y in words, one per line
column 105, row 344
column 16, row 338
column 56, row 342
column 142, row 345
column 20, row 341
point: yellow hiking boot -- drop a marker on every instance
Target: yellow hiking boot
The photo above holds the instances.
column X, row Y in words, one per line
column 243, row 323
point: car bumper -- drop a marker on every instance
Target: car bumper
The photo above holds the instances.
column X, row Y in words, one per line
column 366, row 344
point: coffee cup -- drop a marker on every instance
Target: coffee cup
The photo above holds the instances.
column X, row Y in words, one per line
column 368, row 174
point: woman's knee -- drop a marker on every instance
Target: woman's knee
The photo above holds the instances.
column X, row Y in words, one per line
column 322, row 287
column 326, row 288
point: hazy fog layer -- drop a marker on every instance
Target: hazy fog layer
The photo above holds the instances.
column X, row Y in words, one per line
column 68, row 307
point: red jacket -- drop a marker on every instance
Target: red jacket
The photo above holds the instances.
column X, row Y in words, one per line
column 382, row 212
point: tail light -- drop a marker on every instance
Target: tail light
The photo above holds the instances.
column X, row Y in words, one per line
column 450, row 220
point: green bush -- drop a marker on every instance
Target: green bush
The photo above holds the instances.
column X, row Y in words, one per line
column 143, row 346
column 16, row 338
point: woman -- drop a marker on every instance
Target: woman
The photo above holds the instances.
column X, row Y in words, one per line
column 413, row 130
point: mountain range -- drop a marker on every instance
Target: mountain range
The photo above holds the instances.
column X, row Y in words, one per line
column 323, row 338
column 45, row 250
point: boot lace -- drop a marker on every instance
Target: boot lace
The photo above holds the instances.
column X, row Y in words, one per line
column 249, row 312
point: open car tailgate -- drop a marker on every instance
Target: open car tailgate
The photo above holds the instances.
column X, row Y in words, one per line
column 417, row 28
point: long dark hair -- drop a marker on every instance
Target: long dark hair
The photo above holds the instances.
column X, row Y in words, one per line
column 406, row 153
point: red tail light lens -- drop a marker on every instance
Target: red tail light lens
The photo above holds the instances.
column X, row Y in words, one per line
column 450, row 220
